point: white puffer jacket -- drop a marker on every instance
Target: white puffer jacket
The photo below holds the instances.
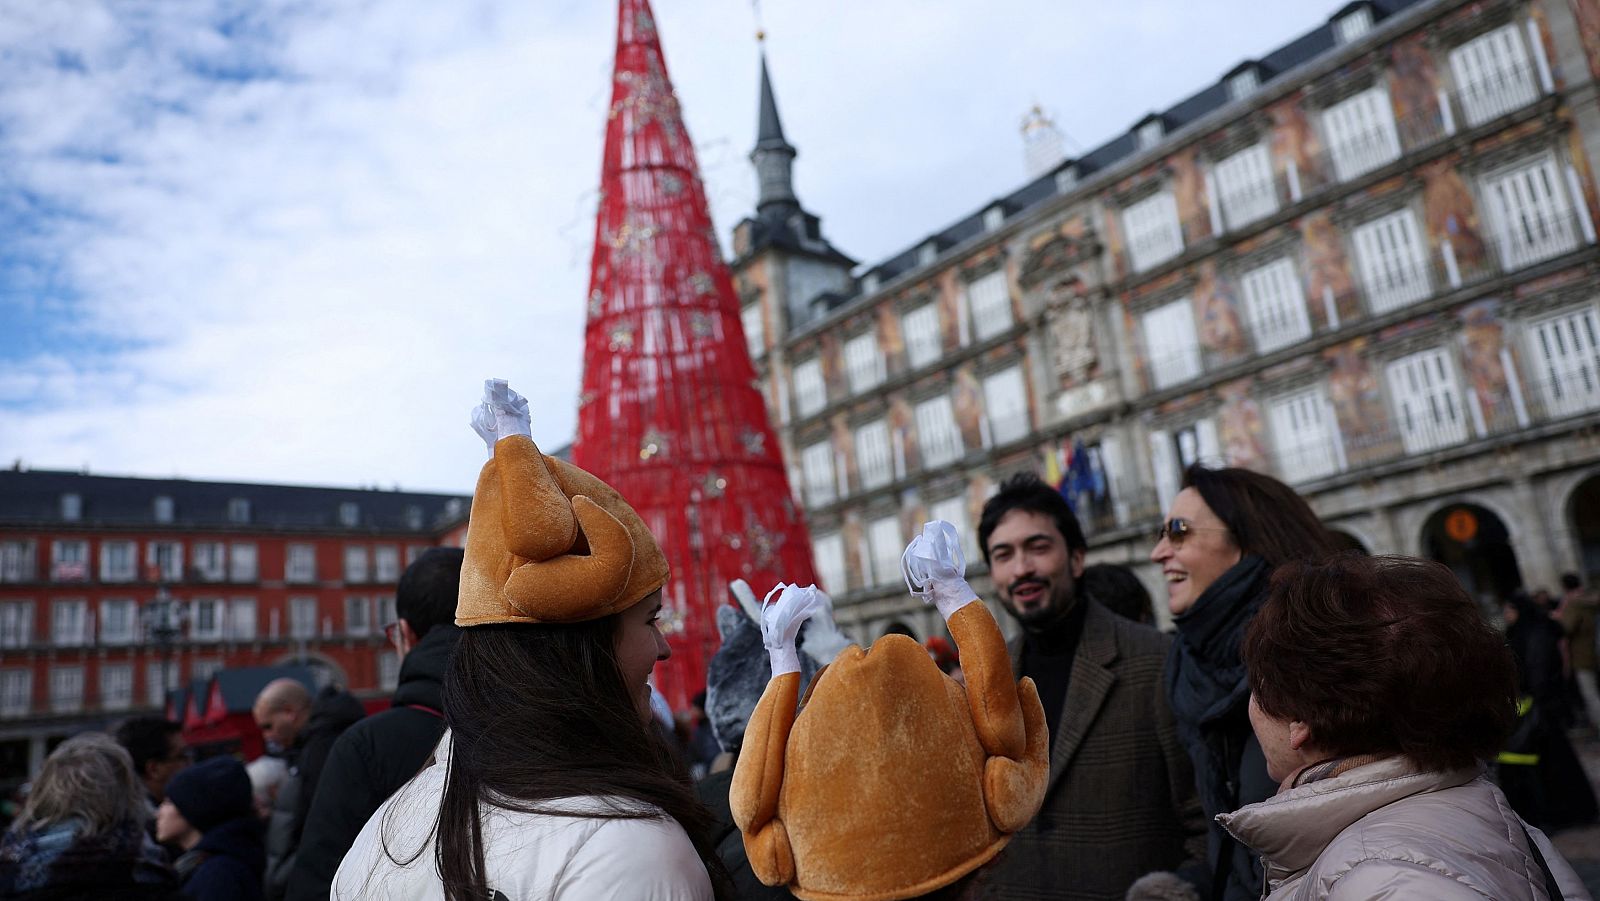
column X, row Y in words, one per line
column 527, row 856
column 1385, row 830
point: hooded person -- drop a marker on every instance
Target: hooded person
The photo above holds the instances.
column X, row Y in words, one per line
column 548, row 781
column 889, row 780
column 210, row 813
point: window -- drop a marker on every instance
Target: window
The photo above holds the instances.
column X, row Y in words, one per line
column 873, row 463
column 870, row 282
column 349, row 514
column 1566, row 361
column 937, row 435
column 388, row 670
column 921, row 330
column 1066, row 180
column 66, row 689
column 927, row 254
column 993, row 218
column 990, row 303
column 1243, row 84
column 755, row 330
column 413, row 551
column 863, row 362
column 118, row 561
column 1149, row 134
column 1245, row 188
column 69, row 623
column 887, row 546
column 1353, row 24
column 302, row 618
column 1492, row 75
column 386, row 611
column 69, row 561
column 1530, row 214
column 239, row 510
column 203, row 669
column 242, row 562
column 386, row 563
column 1392, row 262
column 167, row 559
column 1005, row 399
column 206, row 619
column 1197, row 443
column 16, row 624
column 242, row 619
column 1153, row 232
column 300, row 563
column 1427, row 403
column 209, row 561
column 71, row 507
column 413, row 517
column 16, row 692
column 1170, row 344
column 828, row 551
column 1275, row 305
column 810, row 391
column 1306, row 435
column 116, row 686
column 118, row 621
column 816, row 462
column 1361, row 133
column 355, row 564
column 953, row 510
column 161, row 508
column 18, row 560
column 155, row 683
column 357, row 617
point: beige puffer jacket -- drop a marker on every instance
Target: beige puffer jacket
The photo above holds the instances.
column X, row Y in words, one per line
column 1385, row 830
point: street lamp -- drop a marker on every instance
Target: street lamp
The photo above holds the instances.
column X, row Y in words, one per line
column 163, row 622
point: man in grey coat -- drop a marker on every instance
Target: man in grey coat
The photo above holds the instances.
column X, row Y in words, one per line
column 1120, row 806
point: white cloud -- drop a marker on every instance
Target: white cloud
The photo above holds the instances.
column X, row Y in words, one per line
column 303, row 277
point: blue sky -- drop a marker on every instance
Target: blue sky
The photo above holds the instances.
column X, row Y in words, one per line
column 286, row 240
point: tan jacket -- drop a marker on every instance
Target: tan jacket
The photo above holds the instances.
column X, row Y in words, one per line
column 1384, row 830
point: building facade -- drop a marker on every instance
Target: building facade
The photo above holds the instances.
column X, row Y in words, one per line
column 1364, row 263
column 116, row 591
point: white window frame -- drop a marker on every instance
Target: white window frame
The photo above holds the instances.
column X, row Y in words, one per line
column 810, row 388
column 166, row 559
column 349, row 514
column 1243, row 84
column 1154, row 234
column 201, row 669
column 243, row 622
column 886, row 544
column 1564, row 354
column 989, row 303
column 816, row 463
column 1493, row 74
column 938, row 436
column 1171, row 344
column 1392, row 260
column 239, row 510
column 69, row 623
column 69, row 560
column 66, row 689
column 386, row 564
column 1531, row 213
column 162, row 509
column 16, row 692
column 863, row 362
column 755, row 330
column 1360, row 133
column 1429, row 409
column 155, row 683
column 356, row 571
column 1352, row 25
column 828, row 552
column 119, row 621
column 19, row 560
column 207, row 619
column 1005, row 402
column 300, row 564
column 1275, row 305
column 357, row 616
column 303, row 616
column 210, row 561
column 1246, row 189
column 16, row 624
column 874, row 462
column 1306, row 436
column 388, row 670
column 953, row 510
column 116, row 686
column 72, row 507
column 243, row 562
column 119, row 560
column 920, row 328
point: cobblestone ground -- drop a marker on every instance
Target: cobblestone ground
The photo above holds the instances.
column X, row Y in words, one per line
column 1581, row 847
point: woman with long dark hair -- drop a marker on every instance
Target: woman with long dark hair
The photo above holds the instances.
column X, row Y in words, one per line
column 1226, row 532
column 549, row 782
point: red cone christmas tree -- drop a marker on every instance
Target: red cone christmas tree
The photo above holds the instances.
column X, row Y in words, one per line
column 670, row 414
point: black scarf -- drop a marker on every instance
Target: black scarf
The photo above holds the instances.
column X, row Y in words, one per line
column 1205, row 676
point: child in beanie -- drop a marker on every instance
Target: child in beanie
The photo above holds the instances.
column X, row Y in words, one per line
column 209, row 812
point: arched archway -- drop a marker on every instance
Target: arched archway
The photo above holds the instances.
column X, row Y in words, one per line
column 1348, row 542
column 1475, row 544
column 1583, row 514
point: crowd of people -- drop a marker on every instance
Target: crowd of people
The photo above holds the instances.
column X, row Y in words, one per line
column 1318, row 725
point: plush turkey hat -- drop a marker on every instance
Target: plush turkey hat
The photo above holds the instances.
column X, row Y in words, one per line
column 892, row 780
column 550, row 543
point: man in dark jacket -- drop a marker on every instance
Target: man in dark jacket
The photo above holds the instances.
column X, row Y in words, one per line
column 381, row 753
column 209, row 812
column 334, row 711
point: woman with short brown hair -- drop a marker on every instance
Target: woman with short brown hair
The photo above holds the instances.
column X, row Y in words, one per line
column 1377, row 694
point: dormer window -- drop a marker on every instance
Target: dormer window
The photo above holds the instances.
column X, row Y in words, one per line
column 349, row 514
column 1353, row 24
column 162, row 508
column 994, row 217
column 1066, row 179
column 869, row 283
column 239, row 510
column 413, row 517
column 1149, row 134
column 71, row 507
column 927, row 253
column 1243, row 83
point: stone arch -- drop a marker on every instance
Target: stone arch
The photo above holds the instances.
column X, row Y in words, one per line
column 324, row 669
column 1580, row 518
column 1410, row 520
column 1476, row 543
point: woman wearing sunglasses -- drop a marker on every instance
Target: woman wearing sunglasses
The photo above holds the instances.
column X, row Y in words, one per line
column 1226, row 532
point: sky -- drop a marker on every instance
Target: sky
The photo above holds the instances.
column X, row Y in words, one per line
column 286, row 240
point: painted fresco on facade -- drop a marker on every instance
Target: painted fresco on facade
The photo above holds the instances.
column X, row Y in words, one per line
column 1221, row 333
column 947, row 289
column 1414, row 90
column 890, row 342
column 1074, row 343
column 1239, row 426
column 1579, row 158
column 1482, row 340
column 1450, row 214
column 966, row 396
column 1293, row 138
column 1357, row 399
column 902, row 433
column 831, row 352
column 1587, row 13
column 854, row 564
column 1327, row 270
column 1188, row 190
column 844, row 451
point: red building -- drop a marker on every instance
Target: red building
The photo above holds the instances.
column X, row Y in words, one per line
column 115, row 591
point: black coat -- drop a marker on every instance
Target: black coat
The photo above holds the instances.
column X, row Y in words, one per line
column 713, row 793
column 331, row 714
column 226, row 865
column 370, row 761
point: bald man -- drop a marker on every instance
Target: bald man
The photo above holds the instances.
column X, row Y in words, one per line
column 304, row 731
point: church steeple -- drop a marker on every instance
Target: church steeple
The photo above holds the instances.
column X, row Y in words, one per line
column 773, row 155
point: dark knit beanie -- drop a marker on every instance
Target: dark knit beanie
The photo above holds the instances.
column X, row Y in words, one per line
column 212, row 792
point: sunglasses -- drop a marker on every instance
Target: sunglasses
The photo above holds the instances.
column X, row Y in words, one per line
column 1177, row 530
